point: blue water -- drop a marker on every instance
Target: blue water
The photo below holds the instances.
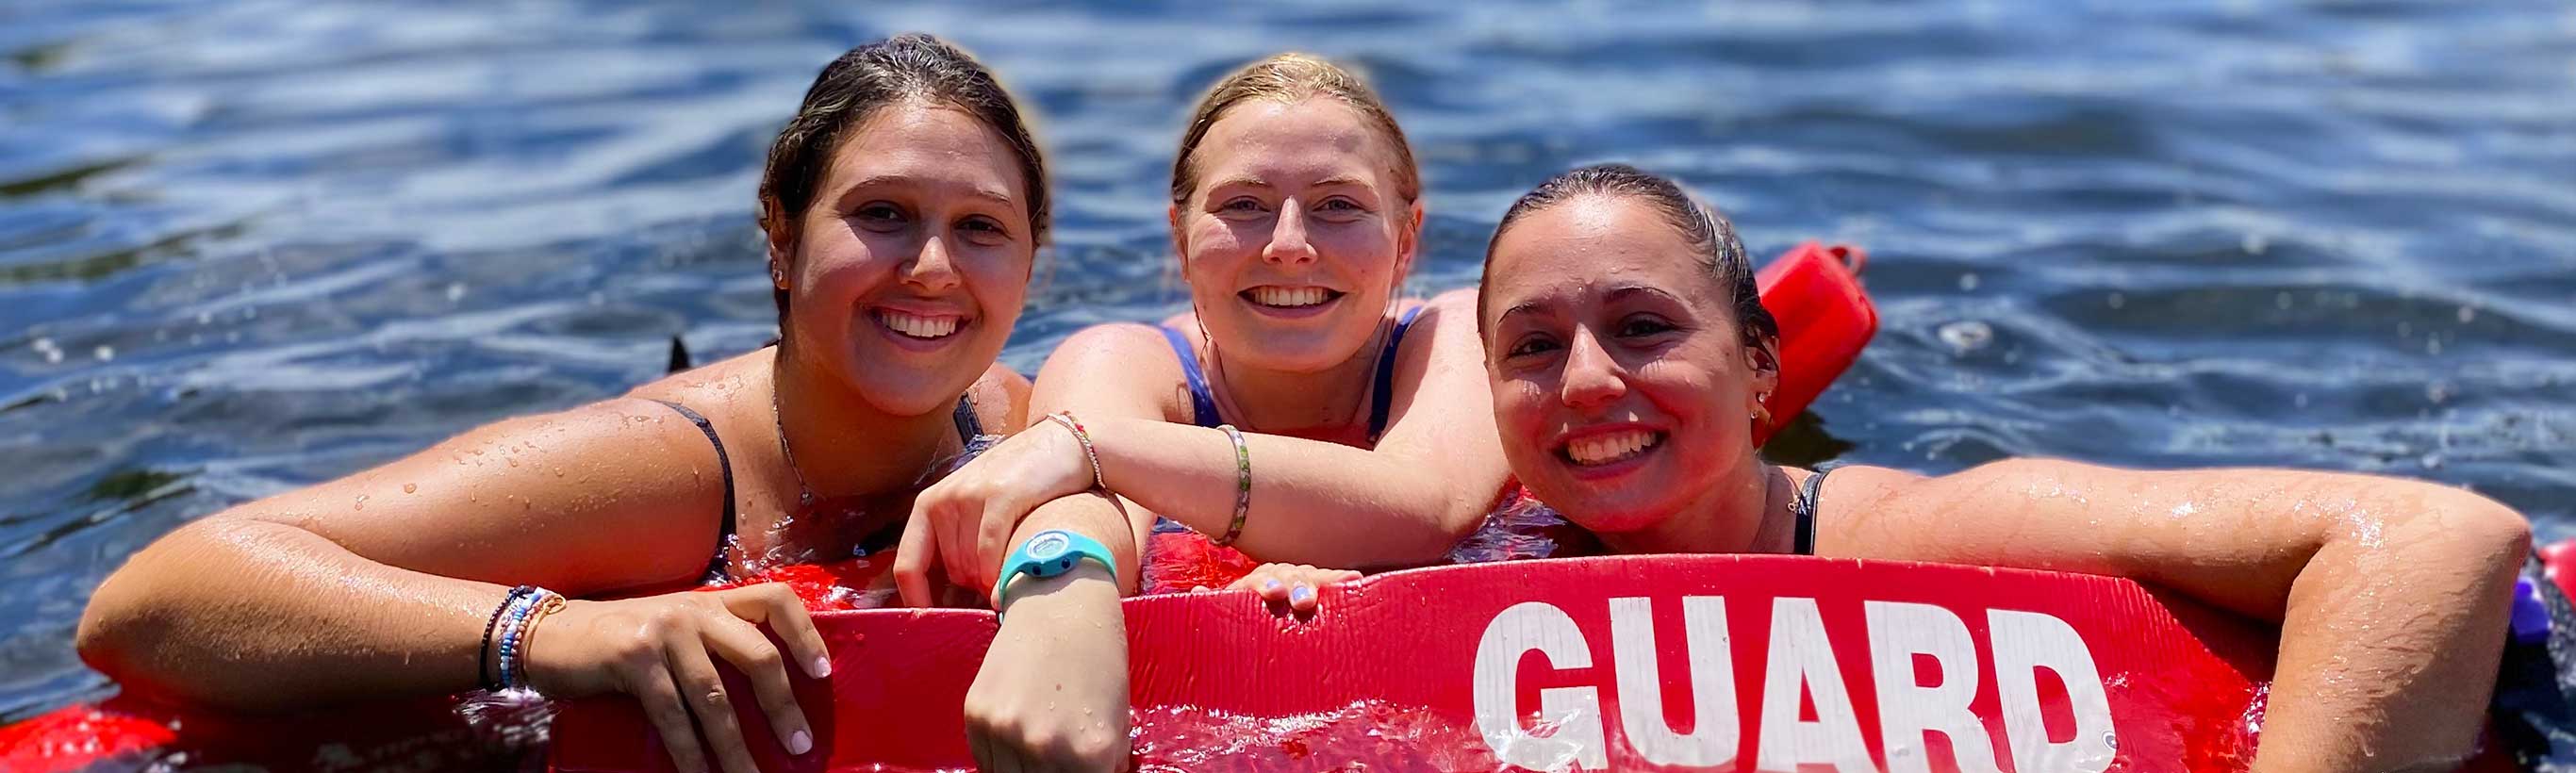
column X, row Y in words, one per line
column 250, row 245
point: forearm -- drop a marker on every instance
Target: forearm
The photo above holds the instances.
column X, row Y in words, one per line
column 1100, row 517
column 263, row 616
column 2390, row 643
column 1309, row 498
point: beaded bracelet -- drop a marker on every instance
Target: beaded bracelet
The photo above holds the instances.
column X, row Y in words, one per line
column 483, row 657
column 1242, row 484
column 542, row 604
column 519, row 612
column 1088, row 451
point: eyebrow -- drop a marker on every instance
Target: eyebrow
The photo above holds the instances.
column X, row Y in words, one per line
column 1623, row 292
column 1261, row 183
column 978, row 191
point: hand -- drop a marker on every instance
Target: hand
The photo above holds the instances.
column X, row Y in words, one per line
column 1052, row 694
column 1291, row 585
column 963, row 523
column 657, row 649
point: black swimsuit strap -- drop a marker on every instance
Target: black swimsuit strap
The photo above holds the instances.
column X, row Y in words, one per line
column 724, row 534
column 968, row 426
column 1804, row 507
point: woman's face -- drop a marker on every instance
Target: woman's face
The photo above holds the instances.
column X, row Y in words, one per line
column 1621, row 388
column 1296, row 236
column 910, row 266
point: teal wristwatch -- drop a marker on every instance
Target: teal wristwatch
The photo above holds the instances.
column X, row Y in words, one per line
column 1050, row 553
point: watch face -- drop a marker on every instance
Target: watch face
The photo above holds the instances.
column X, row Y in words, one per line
column 1046, row 547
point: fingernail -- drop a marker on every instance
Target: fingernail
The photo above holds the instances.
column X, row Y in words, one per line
column 1302, row 594
column 820, row 667
column 800, row 742
column 1270, row 584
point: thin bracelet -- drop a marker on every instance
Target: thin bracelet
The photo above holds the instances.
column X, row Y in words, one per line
column 483, row 657
column 1242, row 484
column 1088, row 451
column 545, row 603
column 510, row 636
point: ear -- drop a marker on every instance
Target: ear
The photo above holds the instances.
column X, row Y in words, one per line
column 1763, row 361
column 1408, row 240
column 780, row 236
column 1180, row 238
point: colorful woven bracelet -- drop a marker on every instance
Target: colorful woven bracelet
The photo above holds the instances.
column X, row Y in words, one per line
column 1242, row 484
column 541, row 604
column 483, row 657
column 1089, row 451
column 518, row 616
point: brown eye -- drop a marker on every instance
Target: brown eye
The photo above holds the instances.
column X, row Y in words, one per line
column 1536, row 344
column 1638, row 327
column 878, row 216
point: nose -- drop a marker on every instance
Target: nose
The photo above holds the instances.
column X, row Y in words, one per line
column 1288, row 244
column 931, row 270
column 1592, row 379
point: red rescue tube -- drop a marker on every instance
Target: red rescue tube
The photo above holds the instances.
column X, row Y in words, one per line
column 1445, row 668
column 1825, row 319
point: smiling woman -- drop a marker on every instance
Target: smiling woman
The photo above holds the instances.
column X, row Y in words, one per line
column 1627, row 364
column 903, row 205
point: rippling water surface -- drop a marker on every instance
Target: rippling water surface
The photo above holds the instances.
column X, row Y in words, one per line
column 246, row 246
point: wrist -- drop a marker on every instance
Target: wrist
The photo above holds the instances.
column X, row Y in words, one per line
column 1088, row 585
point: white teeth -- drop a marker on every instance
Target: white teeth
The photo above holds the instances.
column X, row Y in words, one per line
column 1610, row 448
column 918, row 326
column 1268, row 295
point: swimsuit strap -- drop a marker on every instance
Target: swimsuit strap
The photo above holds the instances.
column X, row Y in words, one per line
column 724, row 534
column 1382, row 398
column 1202, row 402
column 1804, row 507
column 968, row 426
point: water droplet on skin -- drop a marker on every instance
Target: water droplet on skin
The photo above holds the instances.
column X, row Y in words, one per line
column 362, row 502
column 409, row 488
column 514, row 461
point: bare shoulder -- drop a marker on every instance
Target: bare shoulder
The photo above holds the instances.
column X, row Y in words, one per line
column 1121, row 365
column 1001, row 399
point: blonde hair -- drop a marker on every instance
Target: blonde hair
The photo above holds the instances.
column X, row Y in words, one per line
column 1293, row 77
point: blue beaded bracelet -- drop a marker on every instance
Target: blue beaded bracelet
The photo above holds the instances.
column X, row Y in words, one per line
column 519, row 610
column 483, row 656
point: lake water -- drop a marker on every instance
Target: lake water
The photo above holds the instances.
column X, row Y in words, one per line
column 250, row 245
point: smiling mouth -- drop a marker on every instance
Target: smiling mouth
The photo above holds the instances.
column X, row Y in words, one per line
column 1610, row 449
column 927, row 328
column 1278, row 297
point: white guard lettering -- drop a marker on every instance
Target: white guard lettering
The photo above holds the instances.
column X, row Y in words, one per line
column 1574, row 711
column 2024, row 643
column 1898, row 631
column 1802, row 656
column 1713, row 736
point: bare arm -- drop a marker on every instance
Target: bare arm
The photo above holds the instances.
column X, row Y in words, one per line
column 382, row 582
column 2393, row 595
column 1427, row 484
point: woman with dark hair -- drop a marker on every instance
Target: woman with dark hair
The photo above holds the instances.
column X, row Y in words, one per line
column 1628, row 355
column 902, row 206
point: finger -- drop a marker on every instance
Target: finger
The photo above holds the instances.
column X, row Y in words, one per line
column 670, row 718
column 1302, row 599
column 696, row 675
column 913, row 555
column 957, row 548
column 775, row 605
column 979, row 743
column 1274, row 591
column 1341, row 575
column 742, row 644
column 993, row 537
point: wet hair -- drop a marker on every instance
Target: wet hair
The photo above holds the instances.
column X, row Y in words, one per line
column 1290, row 78
column 1711, row 236
column 912, row 67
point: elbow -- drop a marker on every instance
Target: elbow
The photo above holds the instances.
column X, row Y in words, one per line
column 2489, row 532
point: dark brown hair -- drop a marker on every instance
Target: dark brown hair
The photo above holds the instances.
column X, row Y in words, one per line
column 1293, row 77
column 1710, row 234
column 908, row 67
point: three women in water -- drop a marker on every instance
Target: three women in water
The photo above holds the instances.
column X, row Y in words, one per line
column 1614, row 360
